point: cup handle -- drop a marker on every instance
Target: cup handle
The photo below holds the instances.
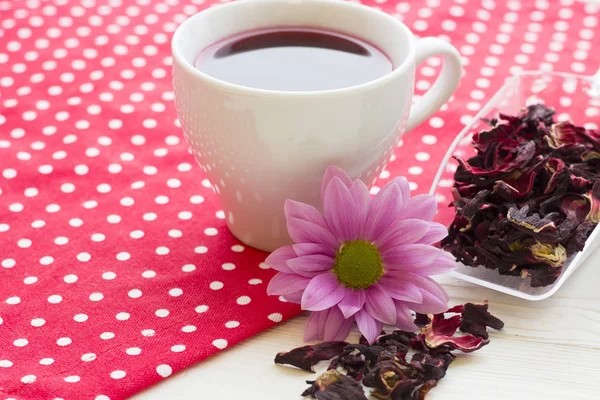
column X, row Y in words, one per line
column 444, row 85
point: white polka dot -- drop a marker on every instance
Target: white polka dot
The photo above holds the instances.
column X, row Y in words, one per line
column 238, row 248
column 127, row 201
column 109, row 276
column 228, row 266
column 103, row 188
column 13, row 300
column 21, row 342
column 185, row 215
column 67, row 188
column 149, row 216
column 37, row 322
column 188, row 328
column 122, row 316
column 123, row 256
column 173, row 183
column 8, row 263
column 148, row 332
column 28, row 379
column 188, row 268
column 422, row 156
column 211, row 231
column 88, row 357
column 98, row 237
column 150, row 170
column 162, row 250
column 54, row 299
column 175, row 233
column 107, row 335
column 255, row 281
column 201, row 309
column 24, row 243
column 84, row 257
column 118, row 374
column 30, row 280
column 47, row 361
column 52, row 208
column 77, row 222
column 5, row 364
column 220, row 343
column 175, row 292
column 64, row 341
column 72, row 379
column 164, row 370
column 9, row 173
column 96, row 296
column 71, row 278
column 415, row 170
column 232, row 324
column 429, row 139
column 263, row 266
column 148, row 274
column 81, row 169
column 80, row 318
column 133, row 351
column 25, row 156
column 178, row 348
column 243, row 300
column 138, row 140
column 38, row 223
column 137, row 234
column 161, row 313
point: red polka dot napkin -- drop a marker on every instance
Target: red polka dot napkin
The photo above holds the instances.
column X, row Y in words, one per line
column 117, row 269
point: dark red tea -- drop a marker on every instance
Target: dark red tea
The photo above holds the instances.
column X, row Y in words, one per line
column 294, row 59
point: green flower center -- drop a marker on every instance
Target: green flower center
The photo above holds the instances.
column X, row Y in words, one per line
column 358, row 264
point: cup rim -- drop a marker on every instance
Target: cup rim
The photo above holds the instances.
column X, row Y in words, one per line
column 246, row 90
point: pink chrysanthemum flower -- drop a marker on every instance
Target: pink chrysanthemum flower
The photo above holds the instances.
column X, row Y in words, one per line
column 365, row 260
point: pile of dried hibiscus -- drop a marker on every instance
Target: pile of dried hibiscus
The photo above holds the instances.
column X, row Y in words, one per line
column 399, row 365
column 529, row 198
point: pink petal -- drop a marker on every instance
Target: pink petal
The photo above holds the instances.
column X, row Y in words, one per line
column 296, row 209
column 302, row 231
column 340, row 211
column 315, row 326
column 422, row 207
column 369, row 327
column 379, row 305
column 443, row 264
column 429, row 285
column 409, row 257
column 295, row 297
column 323, row 291
column 435, row 233
column 333, row 172
column 305, row 249
column 404, row 318
column 312, row 265
column 337, row 327
column 278, row 259
column 404, row 187
column 353, row 300
column 399, row 288
column 384, row 207
column 407, row 231
column 282, row 284
column 362, row 200
column 435, row 299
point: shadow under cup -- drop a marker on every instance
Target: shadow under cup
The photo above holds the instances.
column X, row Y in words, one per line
column 261, row 147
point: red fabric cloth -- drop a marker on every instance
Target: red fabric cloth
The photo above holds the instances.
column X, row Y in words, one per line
column 117, row 268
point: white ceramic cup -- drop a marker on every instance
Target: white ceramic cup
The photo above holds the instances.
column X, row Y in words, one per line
column 261, row 147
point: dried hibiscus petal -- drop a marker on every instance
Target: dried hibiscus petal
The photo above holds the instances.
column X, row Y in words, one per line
column 476, row 318
column 332, row 385
column 306, row 357
column 529, row 198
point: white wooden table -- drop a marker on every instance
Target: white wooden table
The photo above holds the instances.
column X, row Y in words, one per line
column 548, row 350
